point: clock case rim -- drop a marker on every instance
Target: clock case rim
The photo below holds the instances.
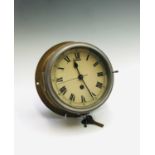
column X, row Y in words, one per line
column 51, row 62
column 40, row 85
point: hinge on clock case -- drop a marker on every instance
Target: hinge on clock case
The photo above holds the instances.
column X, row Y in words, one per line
column 88, row 119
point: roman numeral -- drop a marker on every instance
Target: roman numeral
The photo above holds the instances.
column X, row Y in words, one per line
column 77, row 56
column 83, row 99
column 67, row 59
column 72, row 97
column 100, row 74
column 99, row 85
column 87, row 57
column 95, row 64
column 59, row 79
column 63, row 90
column 61, row 68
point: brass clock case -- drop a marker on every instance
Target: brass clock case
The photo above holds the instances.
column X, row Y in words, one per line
column 43, row 83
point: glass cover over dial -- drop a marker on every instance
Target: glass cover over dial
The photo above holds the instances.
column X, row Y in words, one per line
column 79, row 77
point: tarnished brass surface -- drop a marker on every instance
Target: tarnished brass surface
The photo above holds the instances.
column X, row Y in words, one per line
column 39, row 81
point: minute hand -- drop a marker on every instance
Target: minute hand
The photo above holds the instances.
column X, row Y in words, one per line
column 87, row 89
column 76, row 66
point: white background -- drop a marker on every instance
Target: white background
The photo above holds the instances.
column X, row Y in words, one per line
column 39, row 131
column 147, row 106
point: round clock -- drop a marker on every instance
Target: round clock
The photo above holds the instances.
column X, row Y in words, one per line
column 74, row 78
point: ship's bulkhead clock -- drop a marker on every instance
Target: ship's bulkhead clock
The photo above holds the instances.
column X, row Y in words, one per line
column 74, row 78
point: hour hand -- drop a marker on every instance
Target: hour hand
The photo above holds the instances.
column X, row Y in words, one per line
column 75, row 64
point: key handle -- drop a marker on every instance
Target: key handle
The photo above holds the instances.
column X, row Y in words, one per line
column 88, row 119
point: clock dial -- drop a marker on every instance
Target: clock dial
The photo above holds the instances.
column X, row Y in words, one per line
column 79, row 77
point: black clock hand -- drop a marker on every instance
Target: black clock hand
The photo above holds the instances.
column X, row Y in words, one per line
column 87, row 89
column 80, row 77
